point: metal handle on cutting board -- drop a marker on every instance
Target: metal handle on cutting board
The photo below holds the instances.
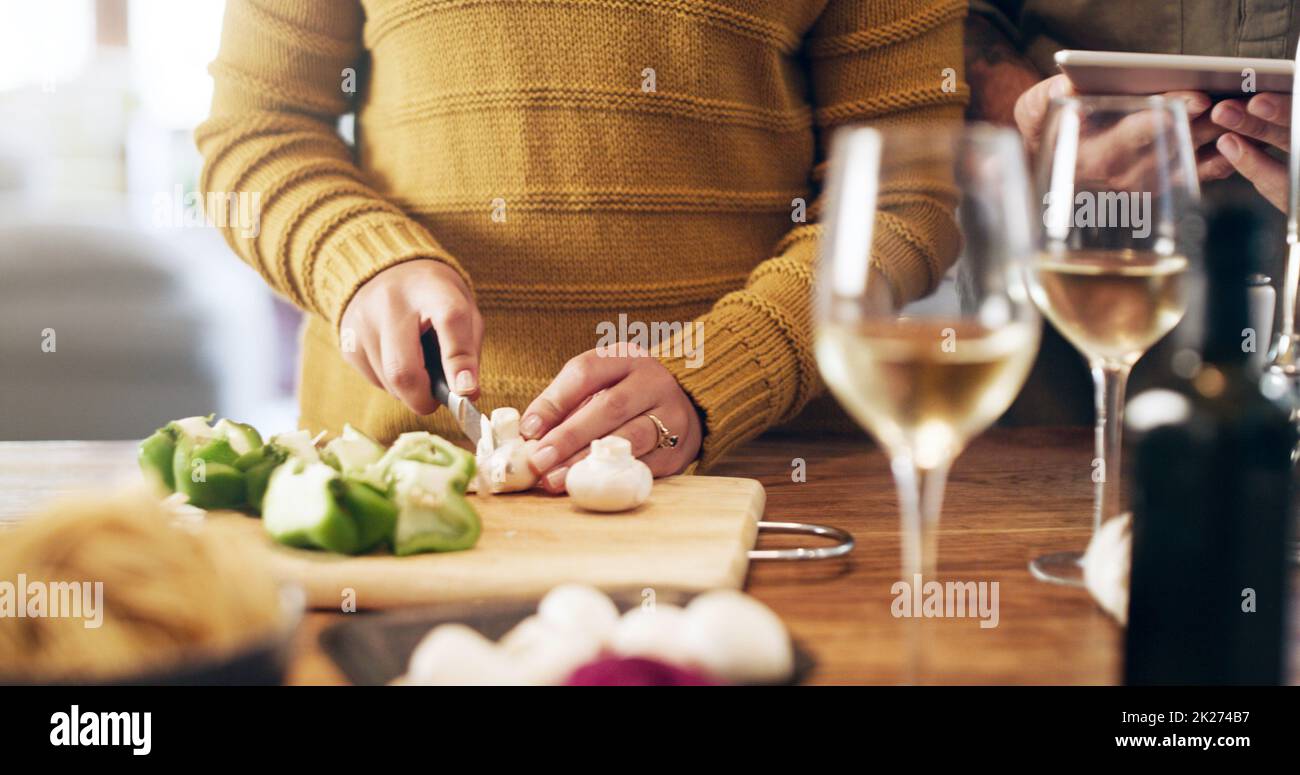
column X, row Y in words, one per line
column 843, row 545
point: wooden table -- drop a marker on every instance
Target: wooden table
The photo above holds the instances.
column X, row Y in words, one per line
column 1014, row 494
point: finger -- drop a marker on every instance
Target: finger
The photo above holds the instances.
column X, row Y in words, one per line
column 580, row 378
column 1211, row 165
column 666, row 461
column 1232, row 115
column 606, row 412
column 1267, row 174
column 453, row 322
column 403, row 369
column 640, row 432
column 1194, row 102
column 1272, row 107
column 1031, row 108
column 1204, row 130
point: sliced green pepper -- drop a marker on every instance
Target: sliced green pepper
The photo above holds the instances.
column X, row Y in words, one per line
column 433, row 514
column 374, row 514
column 424, row 447
column 205, row 476
column 300, row 509
column 155, row 457
column 309, row 505
column 243, row 437
column 353, row 453
column 258, row 466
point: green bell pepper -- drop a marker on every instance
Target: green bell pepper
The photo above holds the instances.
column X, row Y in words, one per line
column 352, row 454
column 425, row 447
column 309, row 505
column 155, row 457
column 433, row 514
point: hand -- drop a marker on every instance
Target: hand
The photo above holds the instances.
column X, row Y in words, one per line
column 604, row 392
column 1118, row 158
column 389, row 313
column 1263, row 120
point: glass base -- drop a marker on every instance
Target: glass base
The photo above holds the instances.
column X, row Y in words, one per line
column 1064, row 568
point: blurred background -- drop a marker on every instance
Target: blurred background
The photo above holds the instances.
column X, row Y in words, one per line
column 116, row 302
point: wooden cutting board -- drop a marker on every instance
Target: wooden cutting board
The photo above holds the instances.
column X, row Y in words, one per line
column 694, row 533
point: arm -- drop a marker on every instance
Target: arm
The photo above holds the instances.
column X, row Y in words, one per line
column 870, row 60
column 996, row 70
column 321, row 231
column 885, row 61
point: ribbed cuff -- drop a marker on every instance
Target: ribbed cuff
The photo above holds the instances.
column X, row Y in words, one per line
column 743, row 380
column 347, row 263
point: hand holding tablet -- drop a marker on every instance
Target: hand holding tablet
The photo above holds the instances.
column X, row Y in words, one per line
column 1238, row 107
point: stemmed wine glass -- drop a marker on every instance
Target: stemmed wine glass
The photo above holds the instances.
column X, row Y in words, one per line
column 925, row 376
column 1116, row 177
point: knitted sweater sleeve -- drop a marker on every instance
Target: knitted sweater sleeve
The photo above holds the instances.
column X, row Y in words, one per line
column 883, row 61
column 285, row 73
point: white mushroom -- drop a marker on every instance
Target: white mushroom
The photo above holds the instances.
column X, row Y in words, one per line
column 503, row 454
column 580, row 609
column 737, row 638
column 609, row 479
column 1106, row 565
column 652, row 632
column 456, row 655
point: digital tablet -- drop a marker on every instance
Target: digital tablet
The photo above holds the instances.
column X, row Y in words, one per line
column 1117, row 72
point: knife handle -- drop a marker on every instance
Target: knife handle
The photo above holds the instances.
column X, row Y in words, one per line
column 433, row 365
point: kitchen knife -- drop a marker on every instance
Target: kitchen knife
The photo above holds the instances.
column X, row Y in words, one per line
column 1285, row 356
column 468, row 417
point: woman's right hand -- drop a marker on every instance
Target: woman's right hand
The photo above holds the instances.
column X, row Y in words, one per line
column 381, row 328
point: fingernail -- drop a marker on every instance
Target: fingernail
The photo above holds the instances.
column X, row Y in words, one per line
column 1057, row 89
column 465, row 382
column 1229, row 115
column 1228, row 146
column 545, row 457
column 530, row 426
column 555, row 479
column 1197, row 105
column 1263, row 108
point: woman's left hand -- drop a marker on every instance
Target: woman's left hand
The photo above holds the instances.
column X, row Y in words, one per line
column 609, row 391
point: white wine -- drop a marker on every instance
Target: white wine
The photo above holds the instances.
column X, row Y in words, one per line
column 1110, row 304
column 925, row 387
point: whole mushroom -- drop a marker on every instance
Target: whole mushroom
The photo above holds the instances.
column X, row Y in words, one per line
column 609, row 479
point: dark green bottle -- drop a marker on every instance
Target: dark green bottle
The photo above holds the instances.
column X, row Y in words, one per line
column 1212, row 491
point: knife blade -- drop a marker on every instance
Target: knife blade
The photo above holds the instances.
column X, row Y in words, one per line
column 468, row 417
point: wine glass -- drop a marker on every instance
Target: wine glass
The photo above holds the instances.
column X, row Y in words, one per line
column 925, row 376
column 1117, row 182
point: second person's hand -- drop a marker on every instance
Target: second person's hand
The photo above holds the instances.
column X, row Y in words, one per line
column 381, row 328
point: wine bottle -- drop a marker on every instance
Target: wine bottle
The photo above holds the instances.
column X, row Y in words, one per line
column 1212, row 491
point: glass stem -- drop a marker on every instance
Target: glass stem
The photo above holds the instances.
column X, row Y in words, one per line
column 920, row 500
column 1110, row 381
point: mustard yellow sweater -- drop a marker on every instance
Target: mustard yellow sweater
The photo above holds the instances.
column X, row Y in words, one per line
column 574, row 161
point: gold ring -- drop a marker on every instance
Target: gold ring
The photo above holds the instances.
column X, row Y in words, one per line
column 667, row 438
